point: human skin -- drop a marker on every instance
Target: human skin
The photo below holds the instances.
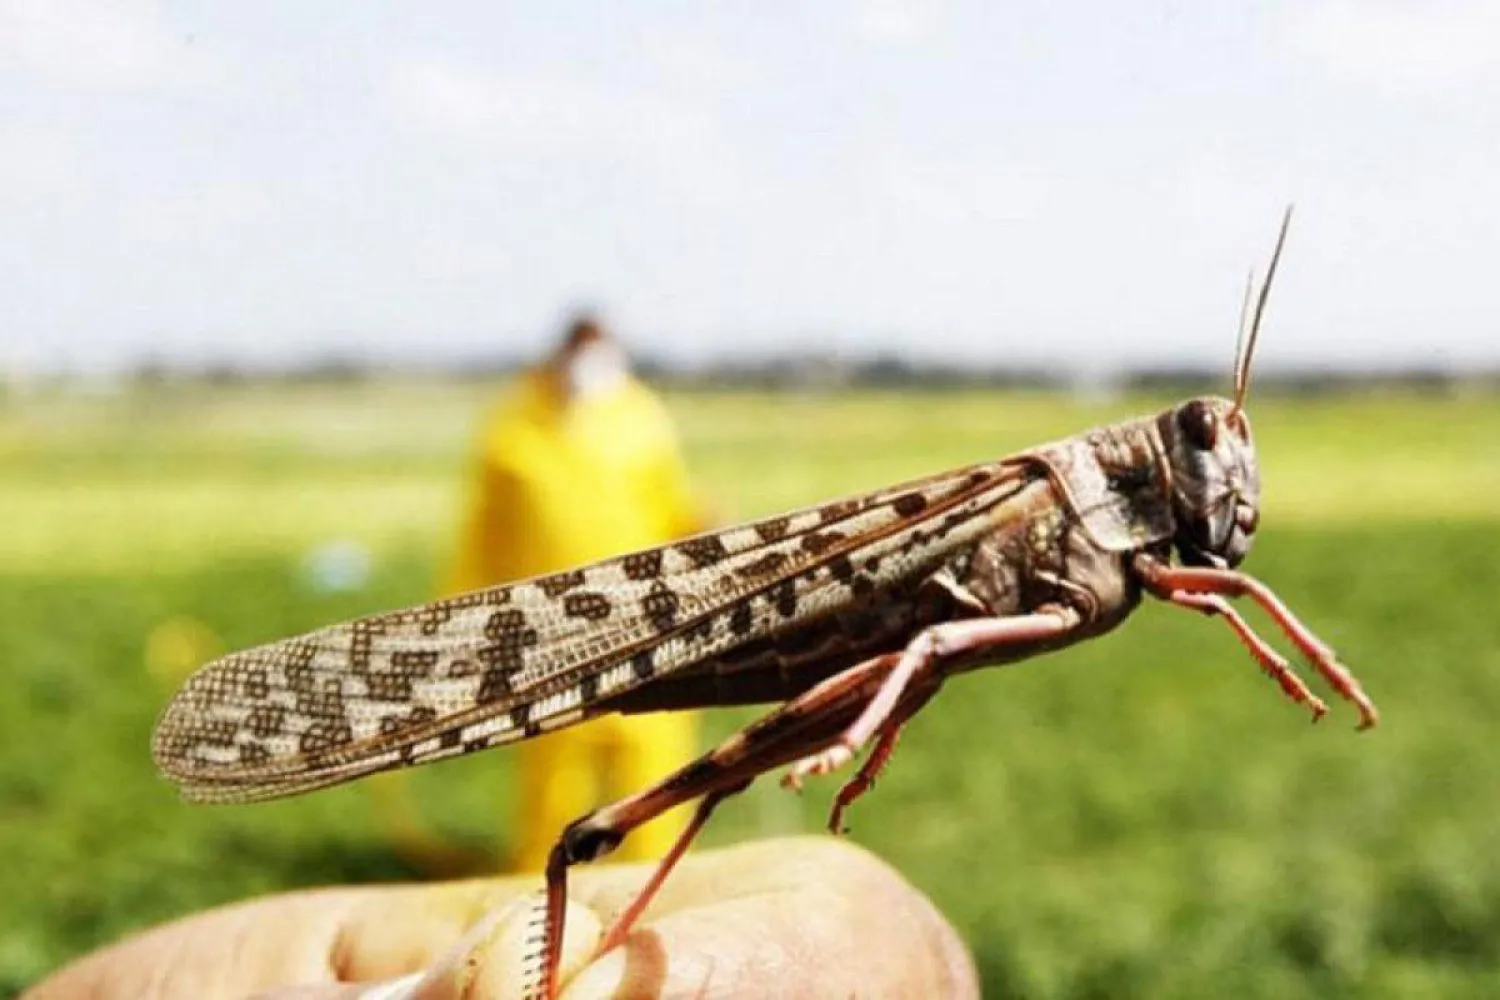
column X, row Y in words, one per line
column 795, row 919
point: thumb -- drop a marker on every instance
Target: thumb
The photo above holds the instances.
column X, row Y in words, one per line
column 499, row 958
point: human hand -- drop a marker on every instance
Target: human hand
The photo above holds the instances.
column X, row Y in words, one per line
column 793, row 918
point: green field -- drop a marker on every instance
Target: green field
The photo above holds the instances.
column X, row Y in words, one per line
column 1143, row 817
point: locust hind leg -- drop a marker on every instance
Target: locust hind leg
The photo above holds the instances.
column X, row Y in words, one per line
column 582, row 837
column 801, row 727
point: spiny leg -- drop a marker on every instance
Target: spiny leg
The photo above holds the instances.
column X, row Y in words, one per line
column 619, row 930
column 1163, row 579
column 864, row 778
column 875, row 764
column 792, row 779
column 921, row 657
column 1272, row 662
column 800, row 727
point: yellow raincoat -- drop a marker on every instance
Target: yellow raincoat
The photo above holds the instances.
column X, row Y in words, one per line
column 559, row 485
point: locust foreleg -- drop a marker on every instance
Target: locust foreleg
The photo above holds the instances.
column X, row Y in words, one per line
column 1196, row 586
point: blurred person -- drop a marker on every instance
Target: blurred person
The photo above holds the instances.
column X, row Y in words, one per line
column 578, row 461
column 800, row 917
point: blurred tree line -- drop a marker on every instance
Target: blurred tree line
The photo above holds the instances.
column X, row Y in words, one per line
column 809, row 370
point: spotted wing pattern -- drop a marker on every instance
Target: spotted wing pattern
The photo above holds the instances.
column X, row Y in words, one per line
column 511, row 661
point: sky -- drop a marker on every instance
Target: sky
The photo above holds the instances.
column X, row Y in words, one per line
column 1081, row 185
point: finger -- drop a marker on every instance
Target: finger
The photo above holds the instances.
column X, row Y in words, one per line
column 490, row 962
column 326, row 936
column 499, row 958
column 392, row 989
column 227, row 952
column 811, row 906
column 814, row 916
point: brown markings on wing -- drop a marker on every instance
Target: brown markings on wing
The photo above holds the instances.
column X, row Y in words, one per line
column 508, row 662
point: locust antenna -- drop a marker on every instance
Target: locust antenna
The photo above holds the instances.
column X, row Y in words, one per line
column 1239, row 335
column 1246, row 350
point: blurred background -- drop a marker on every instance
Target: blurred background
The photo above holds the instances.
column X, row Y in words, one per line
column 264, row 270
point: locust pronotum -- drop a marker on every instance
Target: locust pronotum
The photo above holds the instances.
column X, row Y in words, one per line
column 851, row 614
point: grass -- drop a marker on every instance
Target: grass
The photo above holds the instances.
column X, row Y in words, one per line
column 1140, row 817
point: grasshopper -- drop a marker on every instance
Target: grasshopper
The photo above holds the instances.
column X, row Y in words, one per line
column 851, row 615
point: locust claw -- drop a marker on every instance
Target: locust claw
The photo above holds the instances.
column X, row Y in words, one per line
column 1342, row 680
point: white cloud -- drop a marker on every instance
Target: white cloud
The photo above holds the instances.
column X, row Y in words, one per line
column 696, row 65
column 896, row 23
column 547, row 115
column 977, row 190
column 546, row 110
column 1402, row 46
column 34, row 162
column 90, row 43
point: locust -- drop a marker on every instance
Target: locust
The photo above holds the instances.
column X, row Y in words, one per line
column 850, row 615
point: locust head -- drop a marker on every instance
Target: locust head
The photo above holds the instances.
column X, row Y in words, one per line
column 1211, row 456
column 1215, row 481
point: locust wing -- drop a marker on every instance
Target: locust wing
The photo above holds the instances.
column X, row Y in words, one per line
column 509, row 662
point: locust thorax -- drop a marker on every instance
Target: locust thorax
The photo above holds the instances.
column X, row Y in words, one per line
column 1215, row 483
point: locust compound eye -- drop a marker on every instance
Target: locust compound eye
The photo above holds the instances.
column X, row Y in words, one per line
column 1199, row 424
